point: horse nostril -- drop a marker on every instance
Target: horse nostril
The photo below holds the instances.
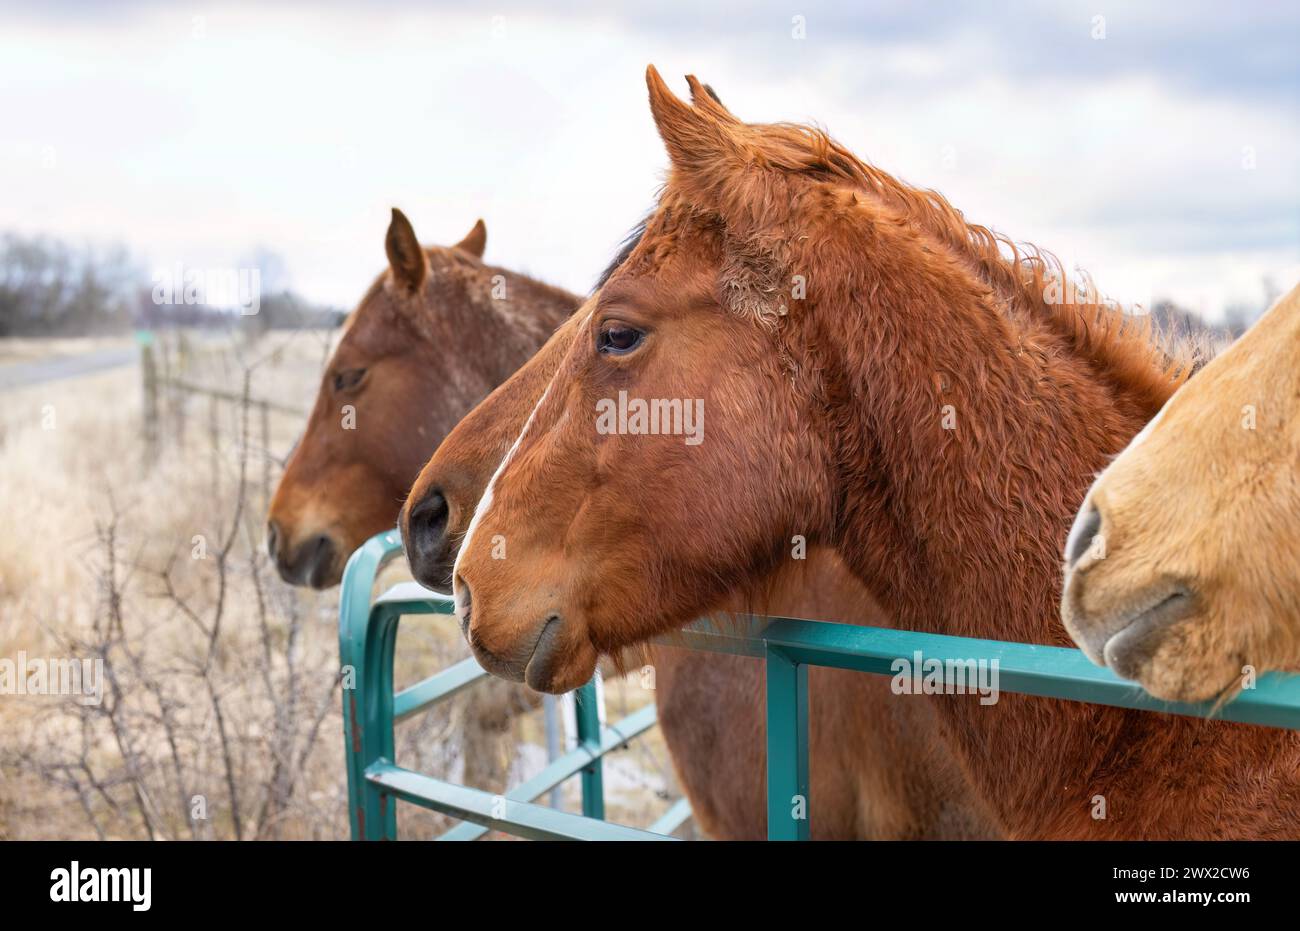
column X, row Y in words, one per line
column 424, row 538
column 318, row 557
column 272, row 538
column 1086, row 527
column 428, row 522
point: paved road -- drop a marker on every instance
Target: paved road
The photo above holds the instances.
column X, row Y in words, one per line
column 22, row 374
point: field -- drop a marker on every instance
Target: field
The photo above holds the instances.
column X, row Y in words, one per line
column 219, row 715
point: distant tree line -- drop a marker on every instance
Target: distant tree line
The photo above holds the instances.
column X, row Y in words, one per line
column 1169, row 318
column 50, row 288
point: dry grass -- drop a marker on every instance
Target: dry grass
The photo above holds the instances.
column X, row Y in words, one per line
column 222, row 686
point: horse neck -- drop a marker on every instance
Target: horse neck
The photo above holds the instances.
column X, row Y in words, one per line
column 982, row 436
column 508, row 331
column 959, row 531
column 550, row 306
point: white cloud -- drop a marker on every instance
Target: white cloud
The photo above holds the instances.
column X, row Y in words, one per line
column 298, row 129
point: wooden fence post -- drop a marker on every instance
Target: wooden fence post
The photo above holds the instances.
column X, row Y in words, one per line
column 265, row 412
column 214, row 434
column 182, row 401
column 182, row 398
column 149, row 374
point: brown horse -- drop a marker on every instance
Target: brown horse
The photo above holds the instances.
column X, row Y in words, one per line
column 709, row 712
column 1181, row 567
column 882, row 378
column 878, row 767
column 433, row 335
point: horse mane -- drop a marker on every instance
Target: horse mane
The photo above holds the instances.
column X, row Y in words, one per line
column 443, row 259
column 625, row 249
column 1125, row 349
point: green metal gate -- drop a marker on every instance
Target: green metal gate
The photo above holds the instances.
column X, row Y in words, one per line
column 368, row 633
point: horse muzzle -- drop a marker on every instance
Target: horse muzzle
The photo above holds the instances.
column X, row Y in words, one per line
column 312, row 563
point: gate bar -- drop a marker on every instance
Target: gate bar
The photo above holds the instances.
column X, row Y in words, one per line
column 1026, row 668
column 787, row 746
column 567, row 765
column 522, row 819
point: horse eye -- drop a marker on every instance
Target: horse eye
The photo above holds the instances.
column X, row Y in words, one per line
column 345, row 381
column 617, row 339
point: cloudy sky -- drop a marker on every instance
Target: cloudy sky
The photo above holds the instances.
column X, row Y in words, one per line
column 1157, row 145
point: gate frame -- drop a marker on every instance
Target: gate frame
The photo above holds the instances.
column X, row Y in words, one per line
column 788, row 646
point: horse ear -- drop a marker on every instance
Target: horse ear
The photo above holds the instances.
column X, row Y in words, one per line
column 705, row 98
column 475, row 240
column 405, row 256
column 696, row 137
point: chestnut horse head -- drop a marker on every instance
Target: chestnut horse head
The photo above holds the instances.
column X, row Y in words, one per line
column 799, row 346
column 1181, row 567
column 435, row 333
column 452, row 481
